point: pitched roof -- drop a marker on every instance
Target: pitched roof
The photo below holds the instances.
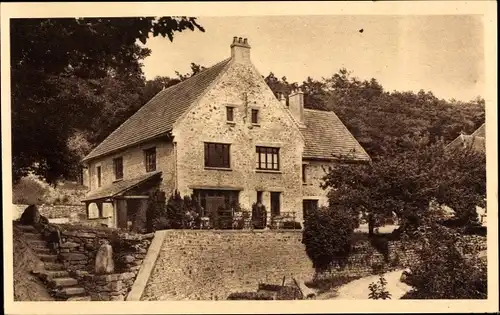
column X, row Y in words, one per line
column 328, row 138
column 480, row 132
column 158, row 115
column 476, row 140
column 118, row 188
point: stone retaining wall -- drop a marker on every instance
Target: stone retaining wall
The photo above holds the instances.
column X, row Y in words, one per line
column 77, row 250
column 72, row 212
column 209, row 265
column 79, row 245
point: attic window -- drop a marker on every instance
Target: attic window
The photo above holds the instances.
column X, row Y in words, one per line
column 230, row 113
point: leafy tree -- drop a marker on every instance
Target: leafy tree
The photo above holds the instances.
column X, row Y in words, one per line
column 407, row 182
column 327, row 236
column 75, row 75
column 449, row 265
column 152, row 87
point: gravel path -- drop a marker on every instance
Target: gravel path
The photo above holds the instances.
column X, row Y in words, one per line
column 358, row 289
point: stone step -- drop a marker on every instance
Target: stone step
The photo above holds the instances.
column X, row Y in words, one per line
column 48, row 258
column 37, row 243
column 48, row 275
column 33, row 236
column 50, row 266
column 42, row 250
column 27, row 228
column 63, row 282
column 79, row 298
column 69, row 292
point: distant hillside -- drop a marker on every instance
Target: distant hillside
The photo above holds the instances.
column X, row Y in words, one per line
column 32, row 190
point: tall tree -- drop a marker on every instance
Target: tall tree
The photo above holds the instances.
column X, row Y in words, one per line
column 407, row 183
column 75, row 74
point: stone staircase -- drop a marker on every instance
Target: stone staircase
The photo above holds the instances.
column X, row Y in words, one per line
column 55, row 276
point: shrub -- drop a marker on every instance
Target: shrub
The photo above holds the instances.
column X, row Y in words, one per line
column 448, row 266
column 259, row 216
column 249, row 296
column 328, row 235
column 292, row 225
column 156, row 218
column 378, row 290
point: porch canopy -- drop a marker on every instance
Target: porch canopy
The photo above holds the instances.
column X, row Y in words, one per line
column 136, row 187
column 123, row 198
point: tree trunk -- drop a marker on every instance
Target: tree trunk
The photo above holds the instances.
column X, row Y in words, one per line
column 371, row 225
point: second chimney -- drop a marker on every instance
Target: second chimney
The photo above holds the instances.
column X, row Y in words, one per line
column 240, row 50
column 296, row 105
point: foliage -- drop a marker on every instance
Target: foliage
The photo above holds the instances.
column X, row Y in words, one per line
column 326, row 282
column 448, row 265
column 249, row 296
column 156, row 213
column 378, row 290
column 327, row 235
column 406, row 184
column 32, row 190
column 292, row 225
column 379, row 119
column 259, row 216
column 83, row 75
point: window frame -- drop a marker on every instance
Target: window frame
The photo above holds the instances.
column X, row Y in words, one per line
column 274, row 152
column 147, row 160
column 98, row 171
column 304, row 174
column 257, row 116
column 225, row 162
column 230, row 109
column 115, row 160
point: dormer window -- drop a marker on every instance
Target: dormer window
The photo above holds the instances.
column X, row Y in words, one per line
column 230, row 114
column 255, row 116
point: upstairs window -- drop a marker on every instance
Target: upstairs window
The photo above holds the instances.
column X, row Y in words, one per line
column 98, row 172
column 150, row 159
column 304, row 178
column 268, row 158
column 255, row 116
column 230, row 114
column 217, row 155
column 118, row 168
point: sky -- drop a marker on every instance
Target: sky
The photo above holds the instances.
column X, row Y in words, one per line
column 443, row 54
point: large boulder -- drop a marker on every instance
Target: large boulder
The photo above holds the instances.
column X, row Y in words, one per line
column 104, row 260
column 30, row 216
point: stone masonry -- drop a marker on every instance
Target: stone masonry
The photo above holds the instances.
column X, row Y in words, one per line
column 209, row 265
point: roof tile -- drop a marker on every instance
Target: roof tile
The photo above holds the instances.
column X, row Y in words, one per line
column 328, row 138
column 158, row 115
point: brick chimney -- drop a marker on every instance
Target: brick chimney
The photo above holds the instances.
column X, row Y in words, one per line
column 282, row 99
column 240, row 50
column 296, row 105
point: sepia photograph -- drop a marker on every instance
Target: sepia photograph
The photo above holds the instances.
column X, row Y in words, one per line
column 194, row 157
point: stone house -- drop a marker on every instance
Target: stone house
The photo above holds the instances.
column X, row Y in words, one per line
column 476, row 140
column 223, row 137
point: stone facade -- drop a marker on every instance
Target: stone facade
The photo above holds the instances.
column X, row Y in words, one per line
column 133, row 165
column 311, row 186
column 241, row 87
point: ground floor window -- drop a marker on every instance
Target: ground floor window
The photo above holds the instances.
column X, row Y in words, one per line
column 212, row 200
column 309, row 206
